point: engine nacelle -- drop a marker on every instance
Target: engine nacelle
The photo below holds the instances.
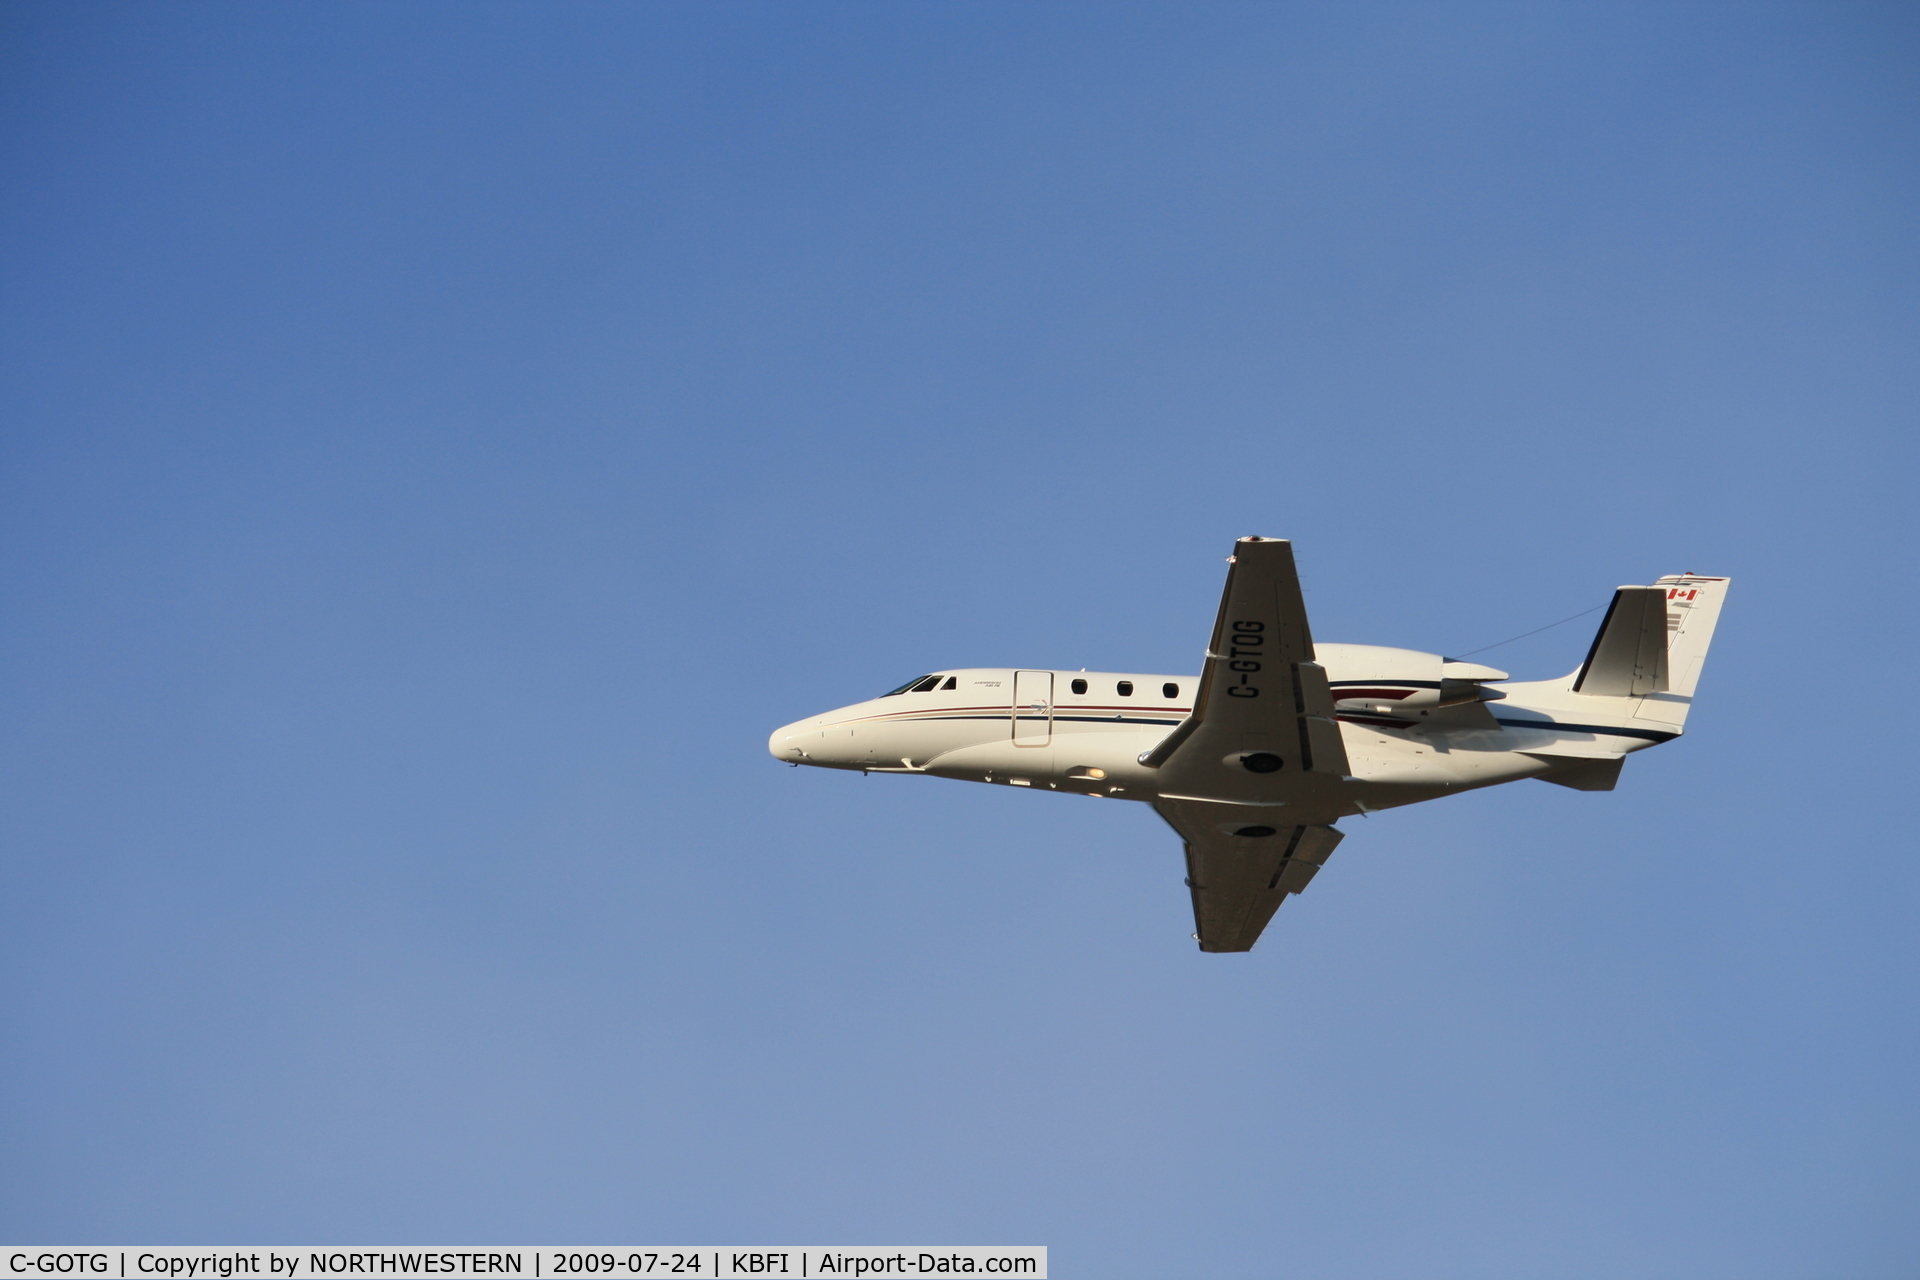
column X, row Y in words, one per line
column 1372, row 680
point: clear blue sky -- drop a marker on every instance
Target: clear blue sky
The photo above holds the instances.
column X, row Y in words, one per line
column 441, row 441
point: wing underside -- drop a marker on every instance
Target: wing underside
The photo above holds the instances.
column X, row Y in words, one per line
column 1242, row 862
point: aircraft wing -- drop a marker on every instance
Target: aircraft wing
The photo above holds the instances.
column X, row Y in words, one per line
column 1241, row 865
column 1245, row 776
column 1263, row 714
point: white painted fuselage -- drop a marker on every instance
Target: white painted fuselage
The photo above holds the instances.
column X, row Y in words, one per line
column 1086, row 731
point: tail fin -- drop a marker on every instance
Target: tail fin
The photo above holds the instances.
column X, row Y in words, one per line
column 1629, row 653
column 1652, row 645
column 1693, row 607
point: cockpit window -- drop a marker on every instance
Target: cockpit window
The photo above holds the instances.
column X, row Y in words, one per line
column 926, row 686
column 917, row 680
column 949, row 684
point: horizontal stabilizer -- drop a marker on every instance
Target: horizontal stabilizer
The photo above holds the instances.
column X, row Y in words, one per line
column 1629, row 655
column 1582, row 775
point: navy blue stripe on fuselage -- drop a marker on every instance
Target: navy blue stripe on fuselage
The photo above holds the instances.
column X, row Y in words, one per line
column 1555, row 726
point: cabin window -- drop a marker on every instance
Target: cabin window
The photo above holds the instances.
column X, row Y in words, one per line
column 908, row 685
column 1169, row 691
column 1124, row 688
column 949, row 684
column 1079, row 686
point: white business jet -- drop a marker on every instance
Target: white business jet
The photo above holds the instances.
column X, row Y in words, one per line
column 1279, row 738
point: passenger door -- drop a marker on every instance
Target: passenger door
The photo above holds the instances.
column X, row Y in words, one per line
column 1032, row 708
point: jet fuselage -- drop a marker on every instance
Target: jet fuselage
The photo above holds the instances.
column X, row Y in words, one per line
column 1085, row 731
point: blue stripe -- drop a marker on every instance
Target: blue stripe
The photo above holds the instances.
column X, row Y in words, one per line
column 1651, row 735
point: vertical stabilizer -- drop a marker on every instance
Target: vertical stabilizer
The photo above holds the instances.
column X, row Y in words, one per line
column 1693, row 607
column 1650, row 649
column 1629, row 653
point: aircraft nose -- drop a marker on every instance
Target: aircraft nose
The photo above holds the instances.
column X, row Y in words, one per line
column 784, row 742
